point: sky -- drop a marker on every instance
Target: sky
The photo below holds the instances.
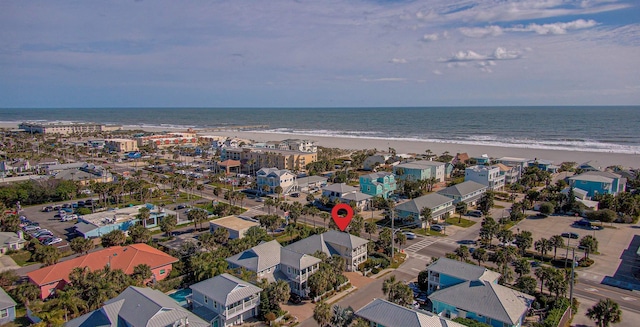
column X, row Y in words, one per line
column 332, row 53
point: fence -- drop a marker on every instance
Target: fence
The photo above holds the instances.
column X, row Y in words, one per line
column 564, row 321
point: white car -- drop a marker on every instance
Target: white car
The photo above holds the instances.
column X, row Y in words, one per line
column 69, row 217
column 52, row 241
column 30, row 228
column 410, row 235
column 437, row 228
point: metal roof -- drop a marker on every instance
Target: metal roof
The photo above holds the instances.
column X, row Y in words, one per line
column 431, row 201
column 5, row 300
column 259, row 257
column 462, row 270
column 225, row 289
column 389, row 314
column 463, row 188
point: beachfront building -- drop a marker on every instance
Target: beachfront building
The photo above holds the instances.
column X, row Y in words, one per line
column 468, row 192
column 482, row 160
column 591, row 165
column 420, row 170
column 380, row 184
column 225, row 300
column 236, row 226
column 518, row 163
column 98, row 224
column 10, row 241
column 375, row 160
column 274, row 177
column 352, row 248
column 271, row 261
column 544, row 165
column 299, row 145
column 599, row 182
column 163, row 141
column 346, row 194
column 485, row 175
column 382, row 313
column 121, row 145
column 66, row 128
column 55, row 277
column 139, row 307
column 441, row 207
column 256, row 158
column 511, row 174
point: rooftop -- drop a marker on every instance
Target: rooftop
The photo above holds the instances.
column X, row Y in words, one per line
column 119, row 215
column 225, row 289
column 389, row 314
column 233, row 223
column 430, row 201
column 259, row 257
column 463, row 188
column 462, row 270
column 420, row 164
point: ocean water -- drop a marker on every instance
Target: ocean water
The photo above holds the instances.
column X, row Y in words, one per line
column 600, row 129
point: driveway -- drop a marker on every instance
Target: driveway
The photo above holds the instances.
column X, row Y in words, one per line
column 6, row 263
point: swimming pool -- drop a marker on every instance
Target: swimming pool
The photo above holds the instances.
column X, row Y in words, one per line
column 180, row 296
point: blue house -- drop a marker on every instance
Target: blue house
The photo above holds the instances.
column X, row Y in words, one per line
column 7, row 308
column 599, row 182
column 459, row 289
column 378, row 184
column 420, row 170
column 440, row 205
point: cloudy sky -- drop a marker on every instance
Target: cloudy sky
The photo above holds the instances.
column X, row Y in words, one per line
column 319, row 53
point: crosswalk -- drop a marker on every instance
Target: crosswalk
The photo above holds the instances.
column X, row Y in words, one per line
column 413, row 249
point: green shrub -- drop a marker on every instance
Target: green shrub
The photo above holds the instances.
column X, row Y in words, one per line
column 470, row 322
column 585, row 262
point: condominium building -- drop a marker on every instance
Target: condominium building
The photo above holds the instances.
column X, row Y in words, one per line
column 66, row 128
column 168, row 140
column 256, row 158
column 485, row 175
column 121, row 145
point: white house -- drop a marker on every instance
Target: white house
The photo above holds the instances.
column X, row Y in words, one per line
column 346, row 194
column 274, row 177
column 485, row 175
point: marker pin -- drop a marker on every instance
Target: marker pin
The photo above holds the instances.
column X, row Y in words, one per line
column 342, row 221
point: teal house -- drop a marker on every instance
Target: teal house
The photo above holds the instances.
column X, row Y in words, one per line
column 599, row 182
column 7, row 308
column 459, row 289
column 378, row 184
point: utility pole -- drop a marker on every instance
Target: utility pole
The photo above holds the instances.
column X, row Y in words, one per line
column 573, row 264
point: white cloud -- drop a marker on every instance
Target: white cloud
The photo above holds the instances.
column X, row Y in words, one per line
column 430, row 37
column 555, row 28
column 504, row 54
column 478, row 32
column 398, row 61
column 384, row 79
column 437, row 72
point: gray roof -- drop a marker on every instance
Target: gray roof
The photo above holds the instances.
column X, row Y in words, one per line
column 259, row 257
column 225, row 289
column 325, row 242
column 10, row 238
column 463, row 188
column 485, row 298
column 389, row 314
column 273, row 171
column 340, row 188
column 577, row 192
column 84, row 227
column 310, row 180
column 357, row 197
column 595, row 176
column 419, row 164
column 297, row 260
column 462, row 270
column 138, row 307
column 380, row 174
column 5, row 300
column 430, row 201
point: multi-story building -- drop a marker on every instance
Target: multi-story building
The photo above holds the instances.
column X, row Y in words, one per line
column 139, row 307
column 271, row 261
column 346, row 194
column 468, row 192
column 255, row 158
column 225, row 300
column 378, row 184
column 441, row 207
column 352, row 248
column 121, row 145
column 518, row 163
column 485, row 175
column 599, row 182
column 168, row 140
column 274, row 177
column 511, row 174
column 420, row 170
column 66, row 128
column 299, row 145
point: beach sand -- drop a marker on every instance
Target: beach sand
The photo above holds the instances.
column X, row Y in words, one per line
column 556, row 156
column 605, row 159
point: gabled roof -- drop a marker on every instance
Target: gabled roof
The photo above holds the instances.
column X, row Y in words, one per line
column 275, row 172
column 503, row 167
column 10, row 238
column 340, row 188
column 577, row 192
column 487, row 299
column 356, row 196
column 462, row 270
column 389, row 314
column 259, row 257
column 430, row 201
column 596, row 176
column 297, row 260
column 325, row 242
column 463, row 188
column 122, row 257
column 420, row 164
column 375, row 176
column 225, row 289
column 138, row 307
column 5, row 300
column 591, row 164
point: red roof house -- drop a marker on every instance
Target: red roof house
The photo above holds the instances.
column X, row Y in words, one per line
column 125, row 258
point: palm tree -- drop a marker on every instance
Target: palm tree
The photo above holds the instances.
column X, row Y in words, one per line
column 322, row 313
column 605, row 312
column 69, row 301
column 522, row 267
column 342, row 317
column 556, row 241
column 481, row 255
column 589, row 244
column 543, row 245
column 463, row 252
column 543, row 273
column 370, row 227
column 461, row 208
column 425, row 216
column 525, row 240
column 325, row 216
column 278, row 189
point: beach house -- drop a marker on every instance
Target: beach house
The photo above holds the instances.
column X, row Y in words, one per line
column 352, row 248
column 599, row 182
column 468, row 192
column 11, row 241
column 518, row 163
column 441, row 207
column 346, row 194
column 485, row 175
column 591, row 165
column 378, row 184
column 7, row 308
column 544, row 165
column 511, row 173
column 382, row 313
column 420, row 170
column 225, row 300
column 139, row 307
column 374, row 161
column 273, row 177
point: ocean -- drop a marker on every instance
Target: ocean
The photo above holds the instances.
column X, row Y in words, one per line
column 593, row 128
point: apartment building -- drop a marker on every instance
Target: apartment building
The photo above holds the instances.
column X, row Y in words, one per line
column 66, row 128
column 256, row 158
column 121, row 145
column 485, row 175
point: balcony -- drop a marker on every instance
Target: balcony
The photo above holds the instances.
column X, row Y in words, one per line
column 242, row 308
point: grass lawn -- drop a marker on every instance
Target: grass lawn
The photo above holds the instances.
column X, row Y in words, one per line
column 398, row 260
column 462, row 222
column 22, row 258
column 428, row 232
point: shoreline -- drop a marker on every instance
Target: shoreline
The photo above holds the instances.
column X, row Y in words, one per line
column 415, row 146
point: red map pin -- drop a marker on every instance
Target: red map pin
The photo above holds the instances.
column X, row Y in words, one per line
column 342, row 221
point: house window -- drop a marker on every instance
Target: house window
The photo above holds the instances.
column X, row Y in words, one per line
column 206, row 299
column 162, row 271
column 4, row 313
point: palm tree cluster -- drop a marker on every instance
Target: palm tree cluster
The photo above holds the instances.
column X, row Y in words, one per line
column 329, row 276
column 397, row 292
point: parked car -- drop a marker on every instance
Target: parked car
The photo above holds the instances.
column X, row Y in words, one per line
column 69, row 217
column 40, row 232
column 81, row 203
column 572, row 235
column 30, row 228
column 437, row 228
column 474, row 213
column 52, row 241
column 410, row 235
column 467, row 242
column 68, row 210
column 180, row 206
column 47, row 209
column 44, row 238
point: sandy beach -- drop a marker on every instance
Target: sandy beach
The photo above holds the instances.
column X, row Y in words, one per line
column 606, row 159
